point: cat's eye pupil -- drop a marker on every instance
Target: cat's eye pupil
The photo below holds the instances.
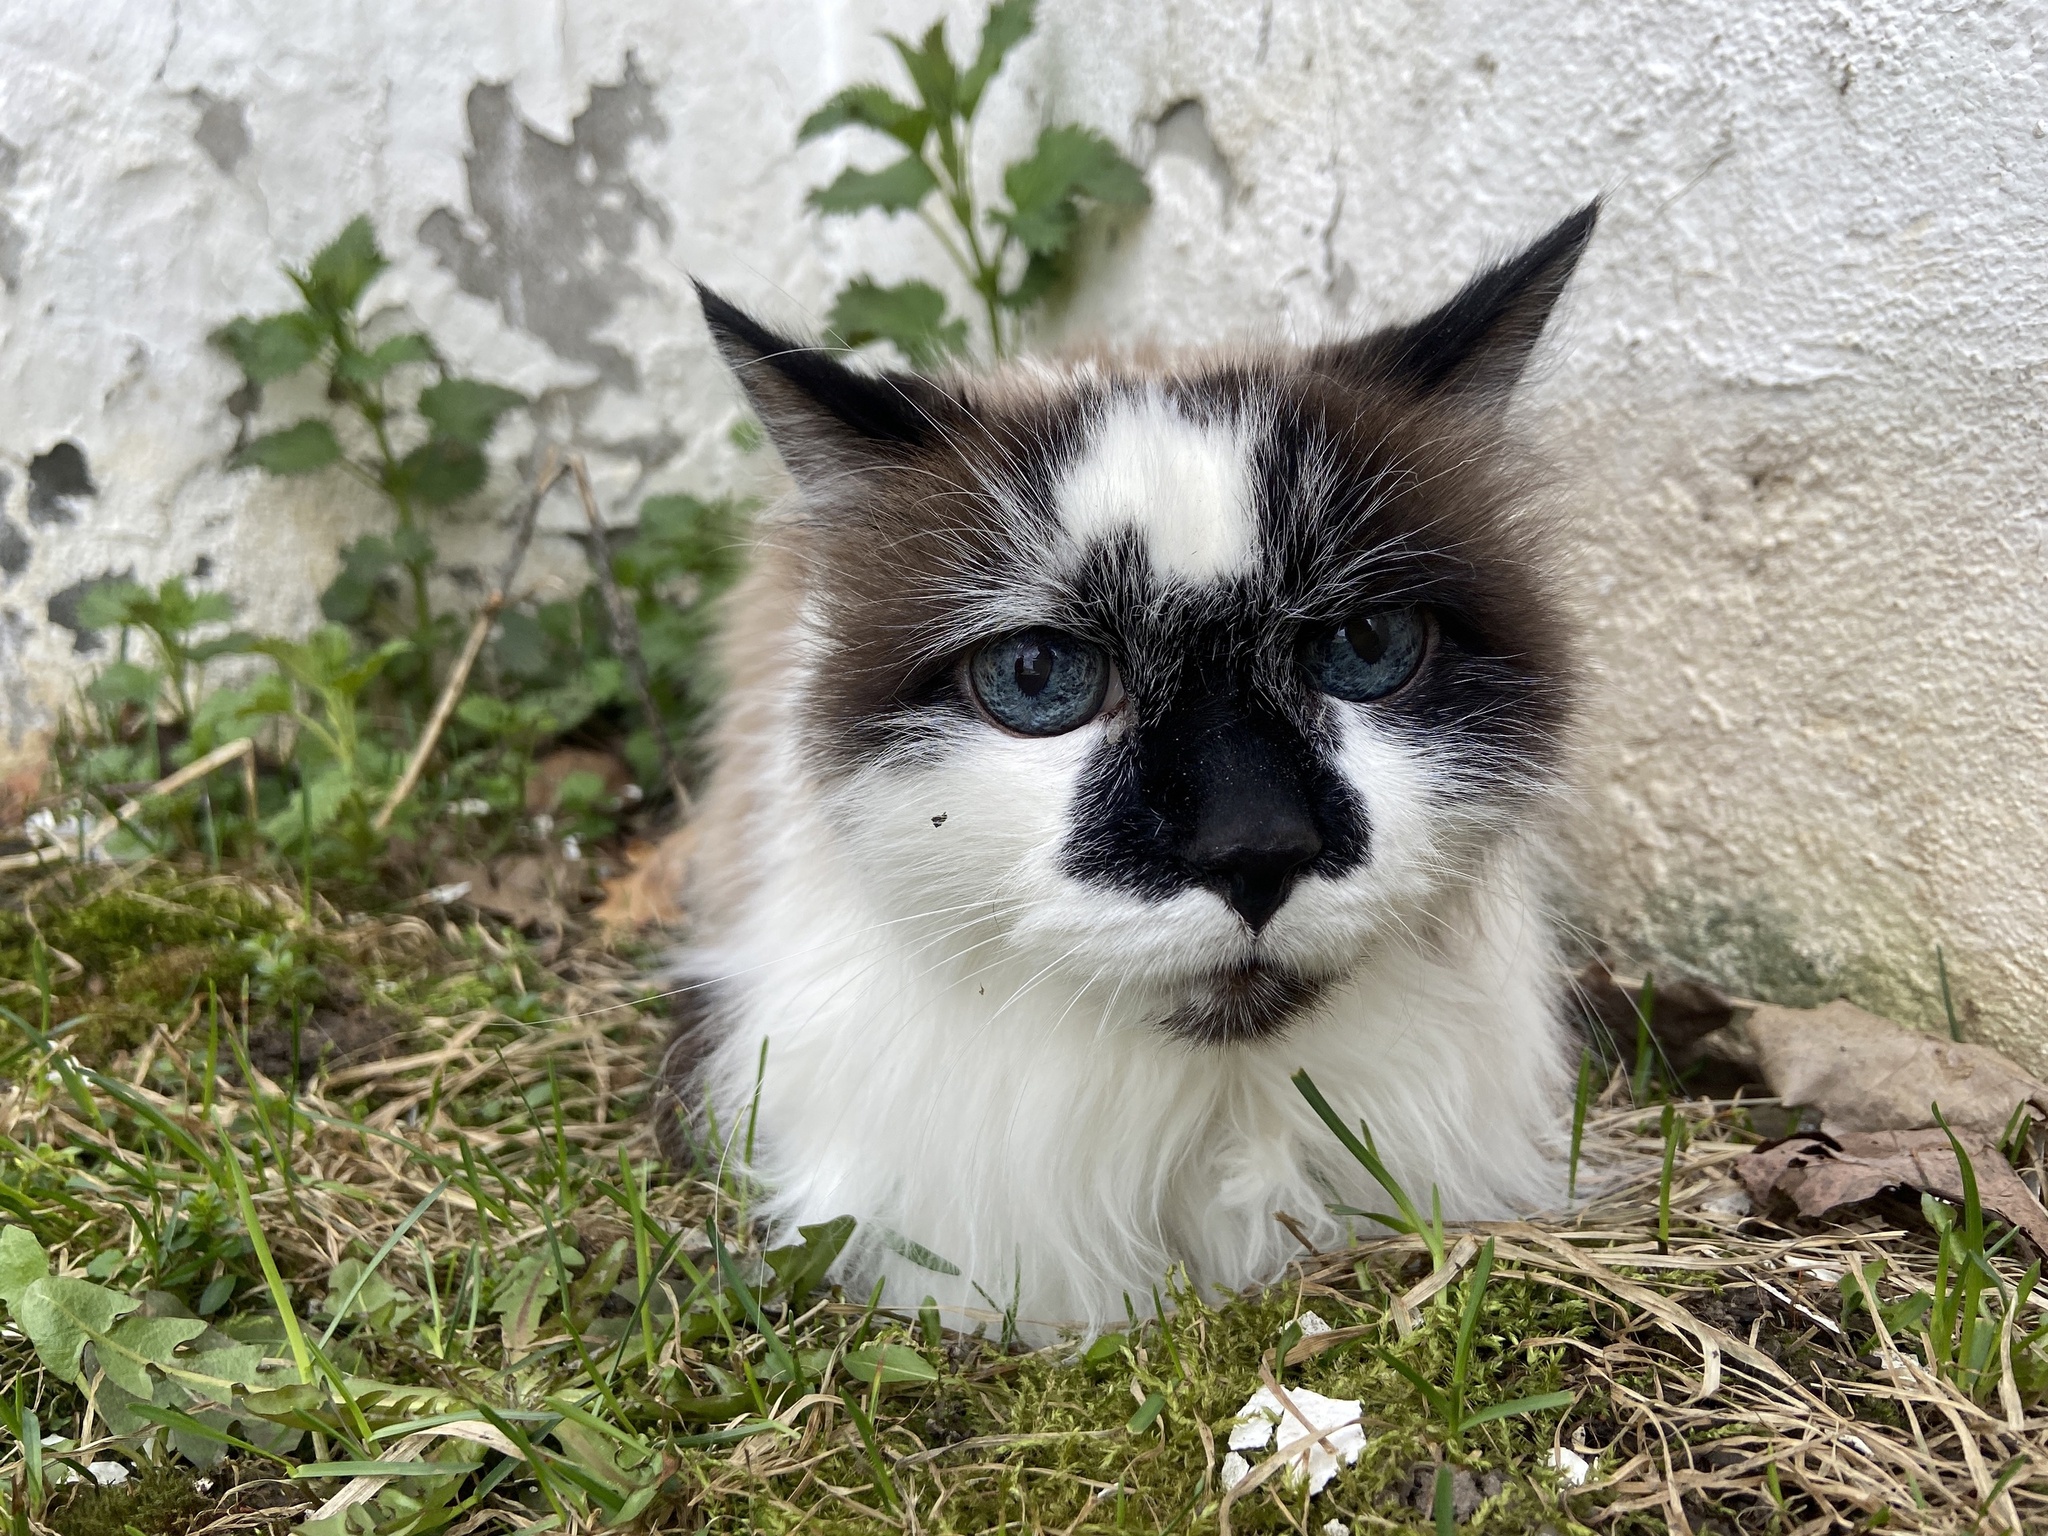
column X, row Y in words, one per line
column 1034, row 668
column 1371, row 654
column 1040, row 682
column 1367, row 635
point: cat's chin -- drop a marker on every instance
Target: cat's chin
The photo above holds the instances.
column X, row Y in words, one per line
column 1246, row 1004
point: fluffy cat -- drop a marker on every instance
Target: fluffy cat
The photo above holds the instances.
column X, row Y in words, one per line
column 1104, row 743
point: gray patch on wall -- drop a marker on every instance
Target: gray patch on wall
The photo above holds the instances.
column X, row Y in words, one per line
column 223, row 130
column 59, row 484
column 63, row 610
column 551, row 226
column 22, row 715
column 13, row 238
column 1183, row 129
column 14, row 545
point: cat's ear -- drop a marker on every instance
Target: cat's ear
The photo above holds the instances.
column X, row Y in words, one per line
column 1476, row 346
column 821, row 414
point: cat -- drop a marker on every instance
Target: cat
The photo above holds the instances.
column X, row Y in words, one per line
column 1105, row 742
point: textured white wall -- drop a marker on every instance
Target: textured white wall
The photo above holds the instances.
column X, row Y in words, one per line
column 1797, row 388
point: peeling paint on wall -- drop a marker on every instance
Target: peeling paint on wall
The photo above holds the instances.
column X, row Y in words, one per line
column 62, row 610
column 22, row 715
column 222, row 130
column 59, row 485
column 13, row 238
column 551, row 225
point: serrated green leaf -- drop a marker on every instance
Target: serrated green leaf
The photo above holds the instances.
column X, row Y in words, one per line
column 108, row 604
column 272, row 347
column 891, row 1362
column 801, row 1266
column 931, row 70
column 368, row 367
column 60, row 1316
column 917, row 1253
column 126, row 1352
column 297, row 450
column 1069, row 163
column 123, row 682
column 341, row 272
column 467, row 410
column 440, row 471
column 897, row 188
column 521, row 1299
column 869, row 106
column 1008, row 24
column 911, row 315
column 22, row 1263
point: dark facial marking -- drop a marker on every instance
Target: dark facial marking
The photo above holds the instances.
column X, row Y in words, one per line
column 1217, row 789
column 1248, row 1003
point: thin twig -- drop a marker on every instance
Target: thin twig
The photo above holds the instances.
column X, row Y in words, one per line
column 626, row 633
column 169, row 785
column 451, row 691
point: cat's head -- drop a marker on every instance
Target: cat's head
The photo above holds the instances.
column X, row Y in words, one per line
column 1196, row 681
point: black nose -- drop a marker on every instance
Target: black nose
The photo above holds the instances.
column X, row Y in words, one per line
column 1251, row 831
column 1250, row 850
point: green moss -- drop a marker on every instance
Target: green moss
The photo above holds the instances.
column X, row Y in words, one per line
column 159, row 1500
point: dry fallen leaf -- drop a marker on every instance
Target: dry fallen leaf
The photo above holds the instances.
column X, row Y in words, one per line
column 544, row 783
column 1865, row 1073
column 528, row 889
column 650, row 893
column 1816, row 1173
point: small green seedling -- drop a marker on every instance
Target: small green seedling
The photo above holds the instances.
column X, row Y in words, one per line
column 1580, row 1101
column 1646, row 1041
column 1361, row 1147
column 1012, row 256
column 1672, row 1128
column 1448, row 1404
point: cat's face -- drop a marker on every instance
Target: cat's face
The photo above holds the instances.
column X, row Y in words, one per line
column 1184, row 685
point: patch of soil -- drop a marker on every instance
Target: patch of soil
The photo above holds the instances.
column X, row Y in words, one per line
column 344, row 1029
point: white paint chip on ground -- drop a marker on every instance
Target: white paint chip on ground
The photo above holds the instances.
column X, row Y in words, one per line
column 1233, row 1471
column 1310, row 1324
column 1262, row 1421
column 1336, row 1528
column 108, row 1474
column 1572, row 1468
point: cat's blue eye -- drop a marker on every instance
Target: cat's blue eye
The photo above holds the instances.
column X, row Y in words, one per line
column 1040, row 682
column 1370, row 654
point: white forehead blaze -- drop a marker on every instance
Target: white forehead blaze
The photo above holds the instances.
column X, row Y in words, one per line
column 1184, row 485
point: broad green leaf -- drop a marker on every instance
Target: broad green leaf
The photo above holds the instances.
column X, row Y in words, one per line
column 1040, row 276
column 323, row 797
column 931, row 70
column 1008, row 24
column 341, row 272
column 22, row 1263
column 521, row 1299
column 1148, row 1410
column 898, row 188
column 917, row 1253
column 868, row 106
column 272, row 347
column 236, row 643
column 60, row 1316
column 110, row 604
column 1541, row 1403
column 467, row 409
column 891, row 1362
column 348, row 597
column 297, row 450
column 439, row 471
column 368, row 367
column 127, row 1352
column 219, row 1371
column 801, row 1266
column 1069, row 163
column 912, row 315
column 123, row 682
